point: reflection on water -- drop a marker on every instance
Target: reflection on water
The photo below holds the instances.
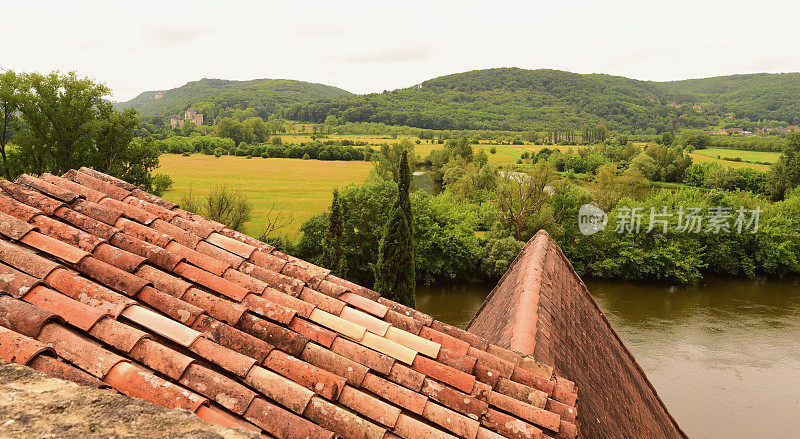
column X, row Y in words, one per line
column 724, row 355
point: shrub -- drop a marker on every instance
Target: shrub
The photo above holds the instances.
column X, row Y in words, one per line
column 160, row 184
column 306, row 156
column 229, row 207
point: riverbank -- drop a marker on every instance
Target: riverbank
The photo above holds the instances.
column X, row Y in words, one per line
column 723, row 353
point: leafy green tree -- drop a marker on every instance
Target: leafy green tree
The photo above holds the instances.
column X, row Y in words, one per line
column 394, row 271
column 9, row 104
column 785, row 174
column 499, row 254
column 333, row 251
column 520, row 196
column 387, row 161
column 59, row 111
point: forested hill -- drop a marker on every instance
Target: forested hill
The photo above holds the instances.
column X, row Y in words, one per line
column 756, row 96
column 512, row 99
column 209, row 96
column 519, row 99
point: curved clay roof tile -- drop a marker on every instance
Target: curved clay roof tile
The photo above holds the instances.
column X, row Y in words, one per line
column 48, row 188
column 24, row 318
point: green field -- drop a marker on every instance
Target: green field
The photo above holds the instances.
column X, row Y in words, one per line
column 750, row 156
column 302, row 187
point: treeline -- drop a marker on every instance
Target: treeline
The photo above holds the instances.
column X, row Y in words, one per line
column 344, row 150
column 477, row 225
column 56, row 122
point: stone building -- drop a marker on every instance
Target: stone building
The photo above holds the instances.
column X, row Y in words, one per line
column 190, row 115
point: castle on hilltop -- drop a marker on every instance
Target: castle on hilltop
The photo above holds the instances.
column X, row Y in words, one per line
column 190, row 115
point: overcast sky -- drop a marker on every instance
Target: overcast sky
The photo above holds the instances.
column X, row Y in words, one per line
column 368, row 46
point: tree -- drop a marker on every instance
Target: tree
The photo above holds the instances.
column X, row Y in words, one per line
column 59, row 111
column 394, row 272
column 222, row 204
column 333, row 252
column 785, row 175
column 612, row 187
column 9, row 103
column 387, row 161
column 520, row 195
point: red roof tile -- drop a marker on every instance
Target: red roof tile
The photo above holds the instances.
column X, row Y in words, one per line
column 117, row 257
column 22, row 317
column 60, row 369
column 446, row 374
column 15, row 209
column 307, row 375
column 283, row 424
column 325, row 359
column 396, row 394
column 16, row 348
column 286, row 340
column 183, row 312
column 233, row 338
column 370, row 407
column 452, row 398
column 161, row 358
column 217, row 387
column 15, row 283
column 75, row 313
column 79, row 349
column 228, row 359
column 137, row 382
column 341, row 421
column 54, row 247
column 57, row 192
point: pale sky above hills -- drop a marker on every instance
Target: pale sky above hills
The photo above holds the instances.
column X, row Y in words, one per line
column 370, row 46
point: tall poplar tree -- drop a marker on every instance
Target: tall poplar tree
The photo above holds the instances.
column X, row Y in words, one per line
column 333, row 252
column 394, row 273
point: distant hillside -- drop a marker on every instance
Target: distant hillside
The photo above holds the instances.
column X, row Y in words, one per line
column 757, row 96
column 266, row 96
column 512, row 99
column 502, row 99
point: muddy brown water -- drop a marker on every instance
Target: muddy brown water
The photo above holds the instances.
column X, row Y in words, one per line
column 724, row 355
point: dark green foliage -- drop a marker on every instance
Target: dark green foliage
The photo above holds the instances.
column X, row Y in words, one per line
column 333, row 256
column 755, row 97
column 785, row 175
column 215, row 98
column 512, row 99
column 62, row 122
column 394, row 271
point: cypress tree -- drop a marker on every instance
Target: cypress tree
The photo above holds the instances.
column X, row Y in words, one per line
column 332, row 251
column 394, row 273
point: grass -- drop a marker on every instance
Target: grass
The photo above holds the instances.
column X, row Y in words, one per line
column 302, row 187
column 751, row 156
column 704, row 158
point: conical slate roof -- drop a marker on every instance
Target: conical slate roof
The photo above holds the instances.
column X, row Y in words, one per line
column 541, row 308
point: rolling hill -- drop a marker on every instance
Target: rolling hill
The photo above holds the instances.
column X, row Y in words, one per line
column 755, row 97
column 512, row 99
column 503, row 99
column 266, row 96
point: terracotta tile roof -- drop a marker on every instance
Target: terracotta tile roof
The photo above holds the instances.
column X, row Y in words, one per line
column 542, row 309
column 106, row 285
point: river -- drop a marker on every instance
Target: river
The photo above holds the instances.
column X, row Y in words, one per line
column 724, row 355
